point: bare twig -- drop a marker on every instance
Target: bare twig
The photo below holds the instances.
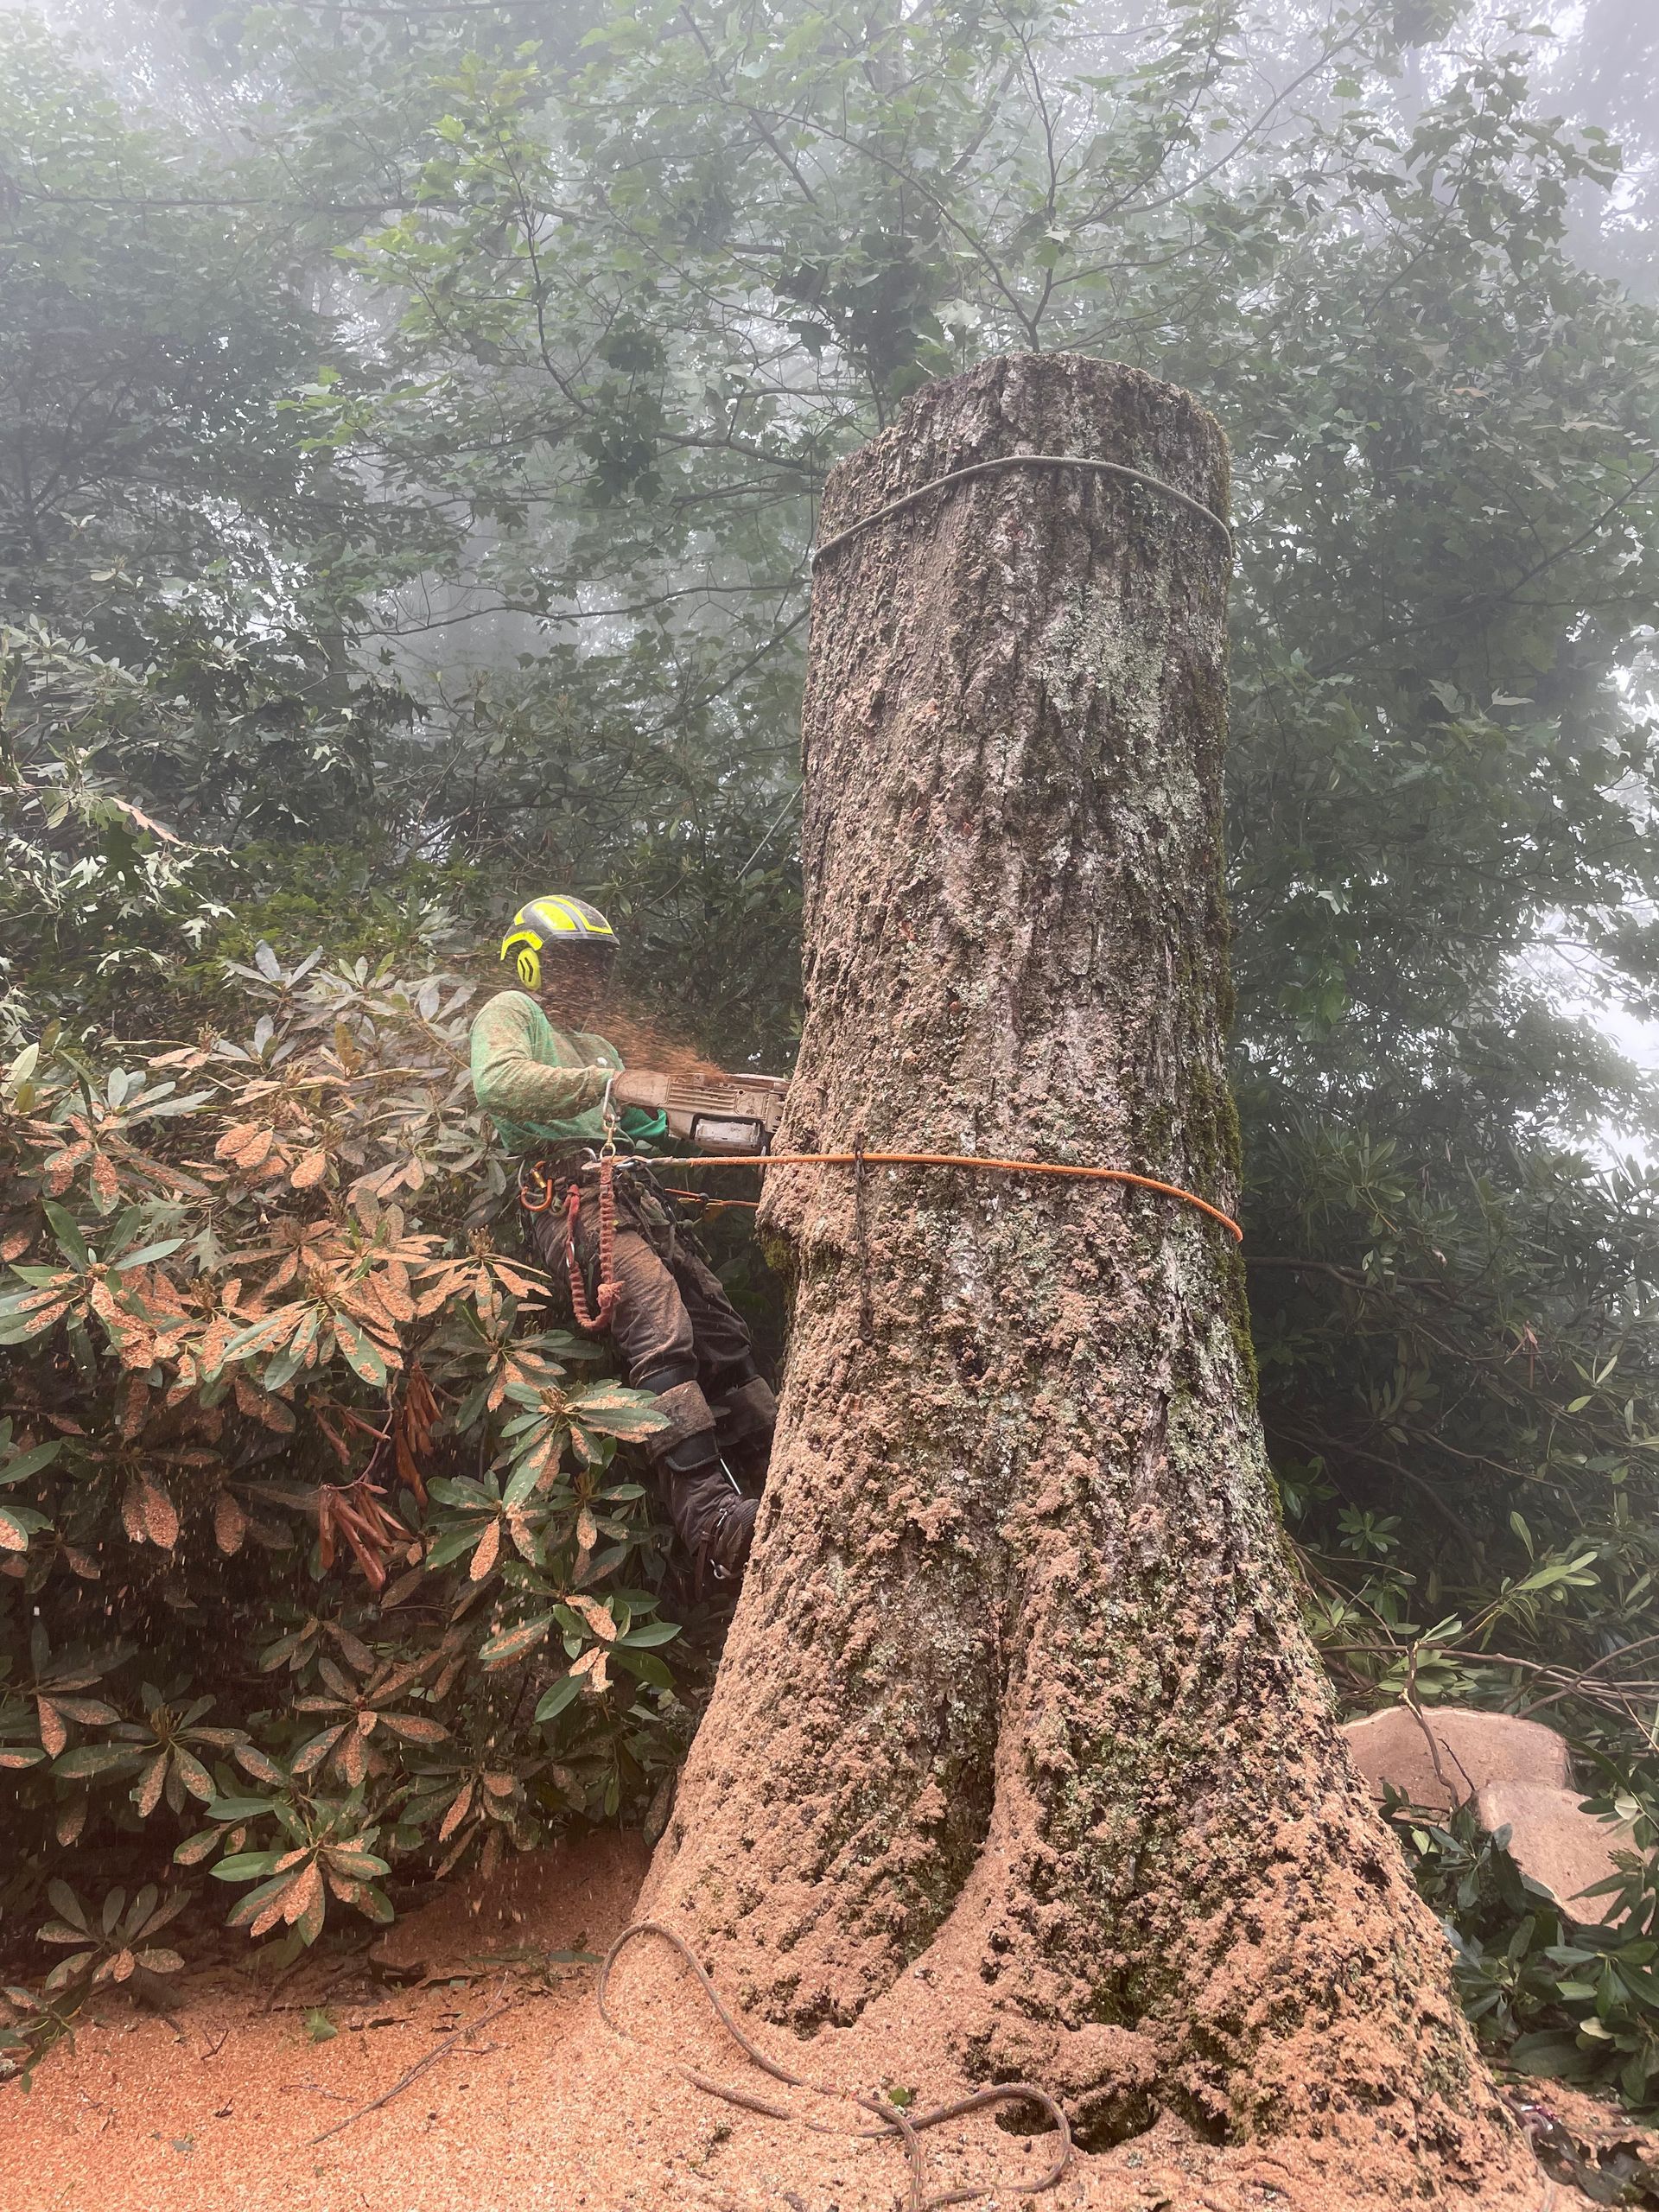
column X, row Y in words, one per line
column 415, row 2072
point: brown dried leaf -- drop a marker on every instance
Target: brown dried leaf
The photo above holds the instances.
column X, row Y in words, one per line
column 161, row 1515
column 303, row 1894
column 60, row 1169
column 488, row 1551
column 310, row 1170
column 54, row 1734
column 415, row 1728
column 230, row 1524
column 134, row 1403
column 215, row 1337
column 132, row 1511
column 355, row 1649
column 596, row 1618
column 234, row 1138
column 459, row 1806
column 105, row 1181
column 147, row 1795
column 270, row 1916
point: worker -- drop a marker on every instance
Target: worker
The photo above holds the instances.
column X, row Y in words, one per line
column 556, row 1089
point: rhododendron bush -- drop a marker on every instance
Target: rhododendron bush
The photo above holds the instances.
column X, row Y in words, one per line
column 321, row 1564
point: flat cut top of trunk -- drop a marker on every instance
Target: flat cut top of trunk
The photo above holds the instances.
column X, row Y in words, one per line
column 1018, row 1741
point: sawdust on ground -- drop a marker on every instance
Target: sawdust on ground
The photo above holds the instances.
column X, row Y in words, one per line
column 217, row 2108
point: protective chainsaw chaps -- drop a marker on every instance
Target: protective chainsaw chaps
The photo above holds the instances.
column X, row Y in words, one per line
column 727, row 1113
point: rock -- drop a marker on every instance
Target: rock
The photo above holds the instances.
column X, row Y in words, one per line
column 578, row 1895
column 1555, row 1843
column 1450, row 1754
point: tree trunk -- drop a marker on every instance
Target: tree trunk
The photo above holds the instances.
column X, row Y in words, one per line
column 1016, row 1697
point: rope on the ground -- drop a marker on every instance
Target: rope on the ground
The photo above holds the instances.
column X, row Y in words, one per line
column 1023, row 460
column 892, row 2119
column 863, row 1159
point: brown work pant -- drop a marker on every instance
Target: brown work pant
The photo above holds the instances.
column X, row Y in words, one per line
column 671, row 1310
column 678, row 1335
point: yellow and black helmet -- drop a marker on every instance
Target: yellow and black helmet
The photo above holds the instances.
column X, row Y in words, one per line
column 551, row 921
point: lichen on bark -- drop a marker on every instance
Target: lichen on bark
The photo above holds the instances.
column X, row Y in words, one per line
column 1018, row 1740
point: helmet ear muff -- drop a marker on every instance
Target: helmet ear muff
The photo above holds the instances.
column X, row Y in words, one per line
column 528, row 964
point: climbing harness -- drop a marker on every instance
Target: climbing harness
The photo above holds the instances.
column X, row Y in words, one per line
column 891, row 2120
column 1022, row 460
column 861, row 1159
column 538, row 1193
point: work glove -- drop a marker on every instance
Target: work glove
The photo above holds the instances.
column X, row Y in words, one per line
column 639, row 1087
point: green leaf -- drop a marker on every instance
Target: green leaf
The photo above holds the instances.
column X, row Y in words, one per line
column 1553, row 2056
column 232, row 1811
column 564, row 1691
column 70, row 1241
column 648, row 1635
column 87, row 1761
column 246, row 1865
column 30, row 1463
column 147, row 1253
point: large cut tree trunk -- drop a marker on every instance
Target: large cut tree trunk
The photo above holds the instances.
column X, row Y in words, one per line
column 1018, row 1740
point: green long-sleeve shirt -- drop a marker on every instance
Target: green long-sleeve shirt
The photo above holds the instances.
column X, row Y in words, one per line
column 542, row 1086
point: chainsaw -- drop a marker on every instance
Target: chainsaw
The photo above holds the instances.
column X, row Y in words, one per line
column 726, row 1113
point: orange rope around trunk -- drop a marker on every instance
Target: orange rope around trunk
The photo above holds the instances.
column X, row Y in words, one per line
column 958, row 1159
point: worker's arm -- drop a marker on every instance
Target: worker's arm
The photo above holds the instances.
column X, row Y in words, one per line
column 512, row 1084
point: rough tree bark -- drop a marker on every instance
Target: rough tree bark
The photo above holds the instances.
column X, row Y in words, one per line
column 1017, row 1740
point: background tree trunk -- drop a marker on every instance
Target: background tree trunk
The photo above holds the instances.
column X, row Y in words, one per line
column 1016, row 1697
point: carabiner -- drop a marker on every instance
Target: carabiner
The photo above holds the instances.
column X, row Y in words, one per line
column 542, row 1184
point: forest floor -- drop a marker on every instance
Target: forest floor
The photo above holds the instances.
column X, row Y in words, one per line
column 529, row 2103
